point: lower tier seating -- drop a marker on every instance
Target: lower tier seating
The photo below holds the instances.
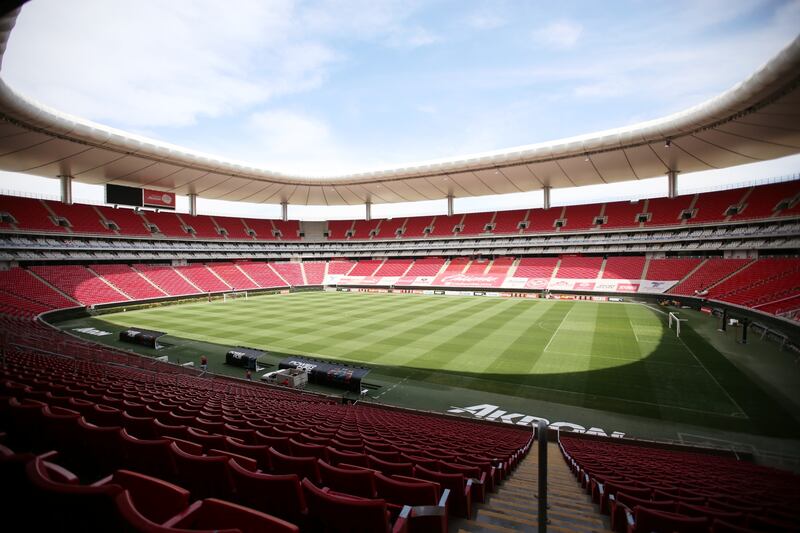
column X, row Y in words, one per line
column 645, row 488
column 111, row 447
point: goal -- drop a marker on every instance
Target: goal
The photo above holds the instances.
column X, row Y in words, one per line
column 234, row 295
column 675, row 322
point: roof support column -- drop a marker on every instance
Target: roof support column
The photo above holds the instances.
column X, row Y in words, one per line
column 284, row 210
column 449, row 205
column 66, row 188
column 193, row 204
column 368, row 207
column 672, row 183
column 546, row 197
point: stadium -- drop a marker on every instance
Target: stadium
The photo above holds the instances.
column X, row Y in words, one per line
column 581, row 364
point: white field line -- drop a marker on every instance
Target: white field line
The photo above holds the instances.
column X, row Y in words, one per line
column 714, row 379
column 555, row 333
column 623, row 359
column 390, row 389
column 741, row 411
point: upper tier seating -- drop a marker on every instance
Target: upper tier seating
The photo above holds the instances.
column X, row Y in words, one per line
column 232, row 275
column 415, row 226
column 764, row 201
column 82, row 218
column 29, row 214
column 315, row 272
column 624, row 268
column 536, row 267
column 508, row 221
column 579, row 267
column 581, row 217
column 671, row 269
column 203, row 226
column 622, row 214
column 393, row 267
column 203, row 278
column 427, row 266
column 167, row 279
column 713, row 206
column 234, row 227
column 708, row 274
column 388, row 228
column 79, row 283
column 169, row 224
column 337, row 229
column 645, row 488
column 289, row 229
column 475, row 223
column 264, row 230
column 543, row 220
column 363, row 229
column 263, row 274
column 667, row 211
column 444, row 225
column 128, row 281
column 129, row 222
column 291, row 272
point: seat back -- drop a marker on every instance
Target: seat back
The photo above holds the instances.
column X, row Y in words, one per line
column 219, row 515
column 279, row 495
column 355, row 482
column 204, row 476
column 390, row 467
column 412, row 492
column 154, row 498
column 84, row 508
column 339, row 514
column 152, row 457
column 647, row 520
column 287, row 464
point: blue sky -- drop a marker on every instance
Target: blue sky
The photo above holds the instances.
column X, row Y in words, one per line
column 329, row 87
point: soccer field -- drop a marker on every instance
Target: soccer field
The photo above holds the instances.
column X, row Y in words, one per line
column 619, row 357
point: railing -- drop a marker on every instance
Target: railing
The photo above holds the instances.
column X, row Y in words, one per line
column 541, row 436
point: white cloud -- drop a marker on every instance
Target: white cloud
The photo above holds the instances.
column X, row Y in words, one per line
column 411, row 37
column 484, row 21
column 170, row 63
column 560, row 34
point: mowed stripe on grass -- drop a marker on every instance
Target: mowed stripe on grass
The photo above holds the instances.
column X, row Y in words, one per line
column 605, row 354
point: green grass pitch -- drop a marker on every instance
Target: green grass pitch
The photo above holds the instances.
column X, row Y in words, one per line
column 611, row 356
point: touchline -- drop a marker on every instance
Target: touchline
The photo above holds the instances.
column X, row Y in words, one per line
column 493, row 412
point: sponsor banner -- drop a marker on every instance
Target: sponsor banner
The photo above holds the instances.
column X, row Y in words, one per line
column 606, row 285
column 526, row 283
column 160, row 199
column 627, row 287
column 466, row 280
column 418, row 281
column 494, row 413
column 583, row 286
column 332, row 279
column 659, row 287
column 93, row 331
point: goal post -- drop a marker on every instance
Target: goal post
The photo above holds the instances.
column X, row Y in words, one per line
column 234, row 295
column 675, row 322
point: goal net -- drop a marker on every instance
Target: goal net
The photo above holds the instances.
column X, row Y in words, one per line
column 675, row 323
column 234, row 295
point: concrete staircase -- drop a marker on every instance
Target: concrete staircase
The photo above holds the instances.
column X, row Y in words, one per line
column 514, row 506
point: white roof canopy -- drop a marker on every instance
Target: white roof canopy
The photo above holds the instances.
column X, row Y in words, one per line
column 756, row 120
